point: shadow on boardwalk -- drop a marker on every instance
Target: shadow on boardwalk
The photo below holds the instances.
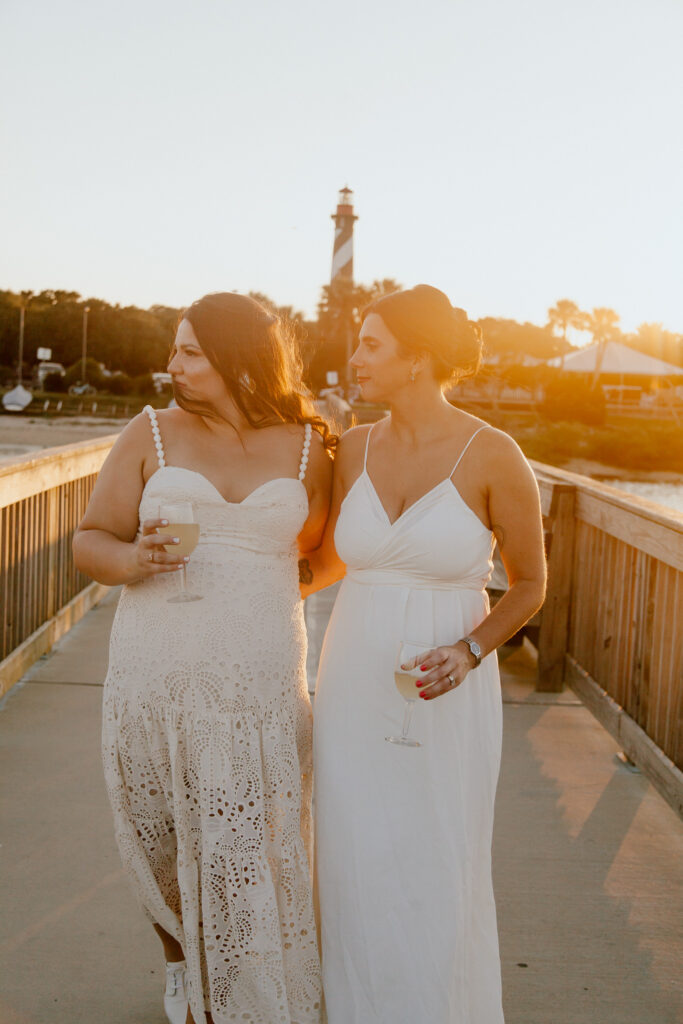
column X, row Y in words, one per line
column 587, row 861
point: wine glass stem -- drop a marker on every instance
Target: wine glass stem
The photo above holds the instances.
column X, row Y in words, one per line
column 407, row 715
column 183, row 579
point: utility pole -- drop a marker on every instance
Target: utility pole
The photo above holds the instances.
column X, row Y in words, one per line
column 86, row 310
column 20, row 374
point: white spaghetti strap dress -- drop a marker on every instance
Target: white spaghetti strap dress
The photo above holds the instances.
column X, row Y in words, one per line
column 403, row 835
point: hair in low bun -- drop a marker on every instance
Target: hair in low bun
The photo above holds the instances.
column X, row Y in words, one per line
column 423, row 320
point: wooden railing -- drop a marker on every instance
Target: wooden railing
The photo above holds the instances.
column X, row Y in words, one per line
column 611, row 624
column 42, row 499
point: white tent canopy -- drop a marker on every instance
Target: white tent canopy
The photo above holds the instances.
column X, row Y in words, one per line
column 618, row 359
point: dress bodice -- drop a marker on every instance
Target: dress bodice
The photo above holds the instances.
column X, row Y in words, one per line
column 437, row 542
column 266, row 522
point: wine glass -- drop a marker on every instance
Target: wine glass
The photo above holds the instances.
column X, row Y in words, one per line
column 181, row 524
column 405, row 680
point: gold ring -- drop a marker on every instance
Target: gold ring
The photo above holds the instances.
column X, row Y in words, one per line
column 151, row 556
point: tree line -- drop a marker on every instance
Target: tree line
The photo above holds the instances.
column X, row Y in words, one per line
column 133, row 342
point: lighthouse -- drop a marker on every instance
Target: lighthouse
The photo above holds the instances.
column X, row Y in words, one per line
column 342, row 253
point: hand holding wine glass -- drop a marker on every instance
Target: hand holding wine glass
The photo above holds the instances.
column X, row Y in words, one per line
column 183, row 526
column 155, row 551
column 406, row 680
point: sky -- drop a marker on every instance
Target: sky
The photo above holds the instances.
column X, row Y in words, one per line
column 510, row 152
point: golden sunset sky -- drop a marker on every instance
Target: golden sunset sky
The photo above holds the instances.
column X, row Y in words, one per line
column 511, row 152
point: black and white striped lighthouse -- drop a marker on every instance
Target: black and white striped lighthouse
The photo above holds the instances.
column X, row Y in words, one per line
column 342, row 253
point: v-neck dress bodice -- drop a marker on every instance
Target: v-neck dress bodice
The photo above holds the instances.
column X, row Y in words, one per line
column 437, row 541
column 403, row 835
column 207, row 750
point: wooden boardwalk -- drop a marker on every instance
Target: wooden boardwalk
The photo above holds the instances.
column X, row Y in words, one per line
column 587, row 860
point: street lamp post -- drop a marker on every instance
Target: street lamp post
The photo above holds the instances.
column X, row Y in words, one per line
column 20, row 374
column 86, row 310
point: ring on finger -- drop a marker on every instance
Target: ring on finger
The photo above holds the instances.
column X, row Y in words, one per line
column 150, row 556
column 451, row 678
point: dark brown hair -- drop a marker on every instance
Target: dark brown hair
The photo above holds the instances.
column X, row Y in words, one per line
column 423, row 320
column 258, row 359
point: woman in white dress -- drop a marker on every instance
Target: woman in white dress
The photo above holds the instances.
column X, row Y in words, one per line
column 403, row 834
column 207, row 720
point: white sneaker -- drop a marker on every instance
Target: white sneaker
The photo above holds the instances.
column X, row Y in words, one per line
column 175, row 996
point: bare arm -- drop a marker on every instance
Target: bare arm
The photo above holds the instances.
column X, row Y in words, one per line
column 318, row 482
column 105, row 544
column 515, row 515
column 320, row 566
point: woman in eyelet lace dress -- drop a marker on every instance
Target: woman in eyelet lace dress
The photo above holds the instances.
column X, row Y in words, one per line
column 207, row 720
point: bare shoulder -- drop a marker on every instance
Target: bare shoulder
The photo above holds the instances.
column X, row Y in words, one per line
column 136, row 435
column 348, row 461
column 502, row 457
column 173, row 419
column 318, row 457
column 353, row 441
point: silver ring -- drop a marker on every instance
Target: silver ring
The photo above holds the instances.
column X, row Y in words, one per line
column 451, row 678
column 150, row 556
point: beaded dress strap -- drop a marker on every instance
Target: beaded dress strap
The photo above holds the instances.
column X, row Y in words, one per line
column 304, row 454
column 156, row 434
column 477, row 431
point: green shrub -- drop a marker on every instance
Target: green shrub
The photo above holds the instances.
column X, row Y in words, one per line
column 144, row 384
column 637, row 445
column 55, row 382
column 93, row 373
column 573, row 400
column 119, row 384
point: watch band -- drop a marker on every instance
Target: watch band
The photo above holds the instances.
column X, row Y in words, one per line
column 475, row 649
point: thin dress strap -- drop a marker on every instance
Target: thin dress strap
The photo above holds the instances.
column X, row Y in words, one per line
column 477, row 431
column 304, row 454
column 156, row 435
column 367, row 445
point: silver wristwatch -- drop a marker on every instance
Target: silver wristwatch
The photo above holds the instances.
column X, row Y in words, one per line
column 474, row 647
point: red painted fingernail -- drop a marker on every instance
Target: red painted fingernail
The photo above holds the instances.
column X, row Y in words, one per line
column 423, row 668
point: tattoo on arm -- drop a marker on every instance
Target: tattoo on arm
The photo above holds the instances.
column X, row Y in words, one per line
column 305, row 571
column 499, row 533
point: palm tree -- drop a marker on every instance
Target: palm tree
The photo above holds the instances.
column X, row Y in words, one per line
column 564, row 314
column 602, row 324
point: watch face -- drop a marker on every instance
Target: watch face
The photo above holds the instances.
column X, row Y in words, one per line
column 475, row 648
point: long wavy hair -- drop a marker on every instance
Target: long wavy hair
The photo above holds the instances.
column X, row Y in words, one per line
column 258, row 358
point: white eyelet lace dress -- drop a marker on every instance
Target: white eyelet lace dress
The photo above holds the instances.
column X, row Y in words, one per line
column 207, row 751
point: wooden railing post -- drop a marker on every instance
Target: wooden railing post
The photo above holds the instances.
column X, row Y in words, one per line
column 52, row 542
column 554, row 629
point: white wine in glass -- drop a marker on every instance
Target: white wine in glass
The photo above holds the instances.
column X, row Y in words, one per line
column 406, row 680
column 181, row 524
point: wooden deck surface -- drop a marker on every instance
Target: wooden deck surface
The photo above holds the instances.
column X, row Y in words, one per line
column 587, row 860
